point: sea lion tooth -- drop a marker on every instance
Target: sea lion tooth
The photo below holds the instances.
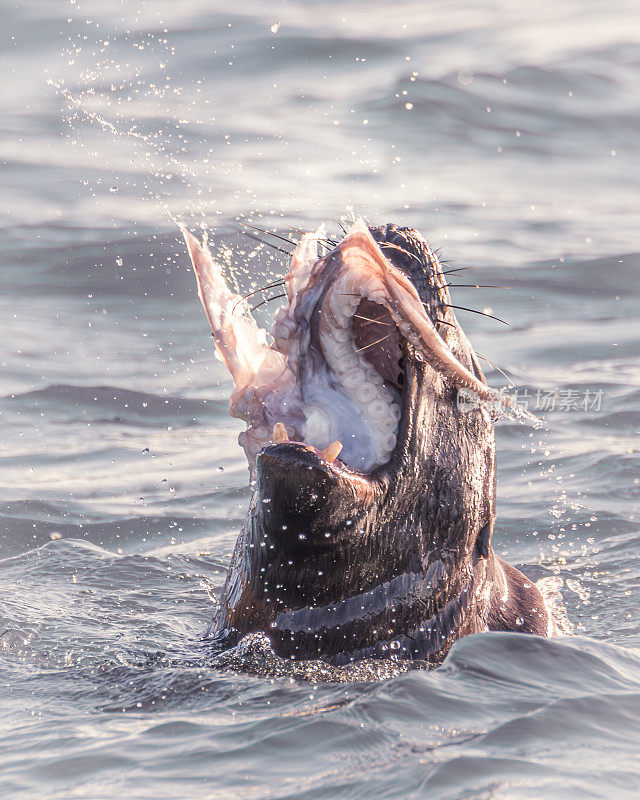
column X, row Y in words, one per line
column 280, row 435
column 330, row 453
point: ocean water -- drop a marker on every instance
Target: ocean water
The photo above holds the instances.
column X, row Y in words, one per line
column 509, row 134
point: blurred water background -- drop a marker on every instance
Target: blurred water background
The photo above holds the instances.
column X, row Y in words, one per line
column 509, row 134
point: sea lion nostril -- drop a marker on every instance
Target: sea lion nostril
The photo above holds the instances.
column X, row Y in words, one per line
column 401, row 379
column 401, row 362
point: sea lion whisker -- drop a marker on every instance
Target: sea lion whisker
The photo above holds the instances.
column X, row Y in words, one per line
column 367, row 319
column 475, row 286
column 261, row 289
column 455, row 269
column 327, row 244
column 475, row 311
column 268, row 244
column 269, row 233
column 371, row 344
column 269, row 299
column 341, row 225
column 495, row 366
column 401, row 249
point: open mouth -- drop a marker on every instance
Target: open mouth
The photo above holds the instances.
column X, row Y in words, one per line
column 334, row 378
column 348, row 366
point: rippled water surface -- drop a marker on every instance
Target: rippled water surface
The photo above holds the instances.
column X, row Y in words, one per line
column 509, row 134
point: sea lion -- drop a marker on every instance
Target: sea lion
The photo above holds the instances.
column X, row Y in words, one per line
column 369, row 529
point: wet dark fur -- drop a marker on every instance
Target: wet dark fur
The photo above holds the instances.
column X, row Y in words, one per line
column 400, row 563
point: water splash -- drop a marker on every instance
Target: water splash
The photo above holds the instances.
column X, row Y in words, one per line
column 255, row 656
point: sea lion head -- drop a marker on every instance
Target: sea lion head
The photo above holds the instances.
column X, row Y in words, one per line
column 374, row 476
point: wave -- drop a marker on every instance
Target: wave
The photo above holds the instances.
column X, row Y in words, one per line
column 111, row 404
